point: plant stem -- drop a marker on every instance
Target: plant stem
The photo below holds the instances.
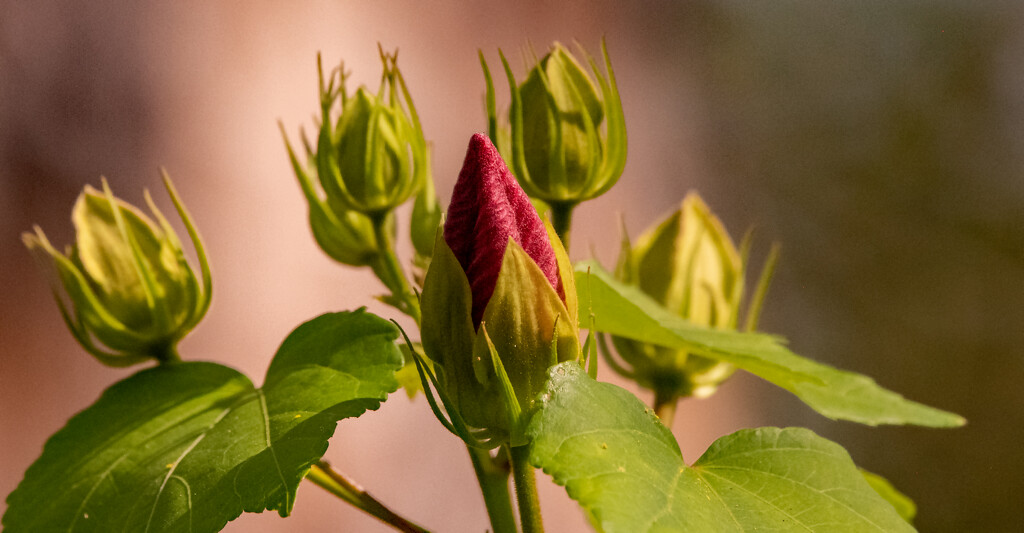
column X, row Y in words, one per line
column 665, row 406
column 492, row 473
column 168, row 354
column 526, row 489
column 390, row 271
column 325, row 477
column 561, row 220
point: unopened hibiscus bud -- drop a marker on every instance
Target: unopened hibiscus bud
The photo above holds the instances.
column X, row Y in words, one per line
column 126, row 283
column 689, row 264
column 426, row 215
column 497, row 268
column 373, row 157
column 568, row 136
column 423, row 222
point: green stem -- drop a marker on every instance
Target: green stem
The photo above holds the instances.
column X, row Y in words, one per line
column 325, row 477
column 390, row 271
column 526, row 489
column 665, row 406
column 168, row 354
column 561, row 220
column 492, row 473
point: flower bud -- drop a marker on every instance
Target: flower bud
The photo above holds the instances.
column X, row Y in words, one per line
column 688, row 264
column 374, row 156
column 126, row 278
column 426, row 215
column 557, row 147
column 499, row 273
column 423, row 222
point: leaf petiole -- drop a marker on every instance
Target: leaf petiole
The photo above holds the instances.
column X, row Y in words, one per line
column 322, row 475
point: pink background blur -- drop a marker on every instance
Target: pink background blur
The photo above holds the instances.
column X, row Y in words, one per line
column 879, row 144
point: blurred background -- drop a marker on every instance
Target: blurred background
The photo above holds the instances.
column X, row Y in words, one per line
column 879, row 143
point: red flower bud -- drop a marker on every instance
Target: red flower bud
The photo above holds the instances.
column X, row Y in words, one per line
column 496, row 261
column 488, row 208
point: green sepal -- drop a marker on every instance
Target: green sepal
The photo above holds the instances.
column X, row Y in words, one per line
column 205, row 296
column 521, row 321
column 431, row 381
column 85, row 302
column 490, row 106
column 515, row 156
column 352, row 153
column 513, row 411
column 63, row 274
column 566, row 274
column 344, row 235
column 412, row 133
column 614, row 154
column 761, row 289
column 449, row 338
column 328, row 169
column 589, row 360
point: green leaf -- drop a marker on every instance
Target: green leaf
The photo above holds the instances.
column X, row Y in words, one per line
column 189, row 446
column 625, row 469
column 901, row 502
column 624, row 310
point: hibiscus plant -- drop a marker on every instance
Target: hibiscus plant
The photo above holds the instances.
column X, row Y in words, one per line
column 511, row 334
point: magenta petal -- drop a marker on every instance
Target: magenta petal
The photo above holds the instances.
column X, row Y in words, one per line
column 487, row 209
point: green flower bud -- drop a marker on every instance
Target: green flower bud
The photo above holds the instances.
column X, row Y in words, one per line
column 126, row 278
column 567, row 140
column 426, row 215
column 689, row 264
column 374, row 156
column 500, row 279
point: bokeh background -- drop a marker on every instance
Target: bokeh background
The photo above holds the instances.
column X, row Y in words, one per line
column 879, row 142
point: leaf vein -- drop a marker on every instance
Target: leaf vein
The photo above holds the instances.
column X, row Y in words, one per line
column 759, row 497
column 721, row 499
column 96, row 485
column 805, row 485
column 670, row 496
column 270, row 446
column 174, row 465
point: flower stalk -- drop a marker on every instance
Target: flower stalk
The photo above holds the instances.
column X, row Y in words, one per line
column 561, row 220
column 492, row 473
column 389, row 269
column 526, row 489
